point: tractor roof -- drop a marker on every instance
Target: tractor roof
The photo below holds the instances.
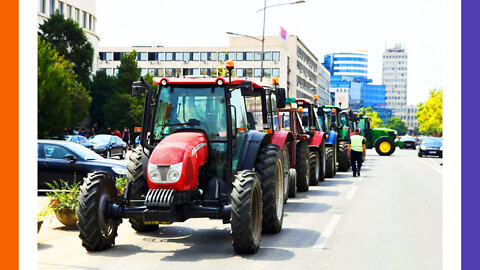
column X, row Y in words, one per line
column 305, row 100
column 207, row 81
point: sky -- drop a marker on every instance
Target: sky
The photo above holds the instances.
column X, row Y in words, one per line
column 324, row 26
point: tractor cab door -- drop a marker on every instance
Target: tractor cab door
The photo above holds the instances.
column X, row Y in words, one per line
column 241, row 123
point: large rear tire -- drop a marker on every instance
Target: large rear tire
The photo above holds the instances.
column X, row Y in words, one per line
column 303, row 166
column 269, row 167
column 246, row 215
column 292, row 183
column 330, row 160
column 97, row 232
column 384, row 146
column 343, row 160
column 286, row 166
column 137, row 188
column 314, row 168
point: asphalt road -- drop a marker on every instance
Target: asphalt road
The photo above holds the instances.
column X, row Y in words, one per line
column 389, row 218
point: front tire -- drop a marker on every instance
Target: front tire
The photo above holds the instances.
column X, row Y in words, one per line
column 330, row 160
column 269, row 167
column 246, row 215
column 303, row 167
column 314, row 168
column 137, row 188
column 286, row 166
column 343, row 160
column 97, row 232
column 323, row 162
column 292, row 183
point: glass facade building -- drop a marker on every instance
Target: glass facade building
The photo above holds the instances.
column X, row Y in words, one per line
column 349, row 64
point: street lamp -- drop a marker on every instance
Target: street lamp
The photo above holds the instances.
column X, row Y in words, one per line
column 263, row 33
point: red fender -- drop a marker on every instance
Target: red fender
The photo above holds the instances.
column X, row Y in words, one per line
column 317, row 138
column 280, row 137
column 188, row 148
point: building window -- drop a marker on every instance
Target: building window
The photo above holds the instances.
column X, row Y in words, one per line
column 169, row 57
column 195, row 56
column 160, row 72
column 60, row 7
column 276, row 56
column 151, row 71
column 143, row 72
column 240, row 72
column 90, row 22
column 240, row 56
column 267, row 72
column 109, row 71
column 42, row 6
column 186, row 56
column 258, row 72
column 258, row 56
column 267, row 56
column 204, row 71
column 169, row 72
column 178, row 57
column 249, row 72
column 213, row 72
column 115, row 72
column 77, row 15
column 160, row 56
column 93, row 27
column 52, row 7
column 109, row 56
column 249, row 56
column 84, row 20
column 231, row 56
column 212, row 56
column 117, row 56
column 221, row 56
column 142, row 56
column 275, row 72
column 203, row 56
column 152, row 56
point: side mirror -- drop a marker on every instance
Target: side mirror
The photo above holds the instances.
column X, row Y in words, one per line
column 70, row 157
column 137, row 89
column 281, row 97
column 246, row 88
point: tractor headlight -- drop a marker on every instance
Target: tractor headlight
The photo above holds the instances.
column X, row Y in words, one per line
column 164, row 174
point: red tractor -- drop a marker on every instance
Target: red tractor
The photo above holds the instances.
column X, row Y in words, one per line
column 313, row 127
column 201, row 155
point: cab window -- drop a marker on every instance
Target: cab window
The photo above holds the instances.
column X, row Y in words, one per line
column 254, row 108
column 239, row 103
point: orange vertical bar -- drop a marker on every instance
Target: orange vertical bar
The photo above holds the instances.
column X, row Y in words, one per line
column 9, row 135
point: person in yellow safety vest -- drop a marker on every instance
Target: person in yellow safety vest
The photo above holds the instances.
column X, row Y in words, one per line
column 356, row 147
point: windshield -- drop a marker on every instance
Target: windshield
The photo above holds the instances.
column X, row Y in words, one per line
column 430, row 140
column 100, row 139
column 83, row 152
column 407, row 139
column 200, row 108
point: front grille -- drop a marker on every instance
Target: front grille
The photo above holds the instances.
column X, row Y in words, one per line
column 159, row 198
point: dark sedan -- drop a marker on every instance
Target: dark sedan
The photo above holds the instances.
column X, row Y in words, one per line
column 430, row 147
column 71, row 162
column 108, row 145
column 80, row 140
column 408, row 142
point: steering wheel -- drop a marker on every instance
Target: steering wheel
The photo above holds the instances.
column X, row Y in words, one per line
column 197, row 124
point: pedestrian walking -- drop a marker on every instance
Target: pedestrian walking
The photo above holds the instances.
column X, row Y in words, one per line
column 94, row 129
column 117, row 133
column 109, row 131
column 356, row 150
column 76, row 131
column 126, row 136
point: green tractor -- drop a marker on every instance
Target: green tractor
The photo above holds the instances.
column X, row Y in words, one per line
column 383, row 139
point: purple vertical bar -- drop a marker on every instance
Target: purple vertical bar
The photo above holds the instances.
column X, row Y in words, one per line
column 470, row 134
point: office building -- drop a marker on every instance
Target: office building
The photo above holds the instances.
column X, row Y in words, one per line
column 347, row 64
column 290, row 60
column 82, row 12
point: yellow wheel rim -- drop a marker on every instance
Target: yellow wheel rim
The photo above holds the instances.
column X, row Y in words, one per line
column 385, row 147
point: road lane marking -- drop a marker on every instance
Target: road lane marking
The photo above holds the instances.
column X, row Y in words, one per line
column 351, row 192
column 428, row 163
column 327, row 232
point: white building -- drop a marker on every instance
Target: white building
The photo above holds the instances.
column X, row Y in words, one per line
column 395, row 78
column 81, row 11
column 290, row 60
column 323, row 90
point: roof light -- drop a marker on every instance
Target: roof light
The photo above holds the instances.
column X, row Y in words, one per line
column 300, row 109
column 334, row 110
column 229, row 64
column 219, row 82
column 164, row 82
column 315, row 97
column 275, row 80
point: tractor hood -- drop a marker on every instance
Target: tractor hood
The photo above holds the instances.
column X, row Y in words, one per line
column 386, row 130
column 175, row 161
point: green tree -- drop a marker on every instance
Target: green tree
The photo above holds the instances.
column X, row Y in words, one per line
column 102, row 90
column 376, row 121
column 397, row 124
column 68, row 38
column 62, row 100
column 430, row 114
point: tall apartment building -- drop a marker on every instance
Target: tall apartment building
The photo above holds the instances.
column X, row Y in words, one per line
column 290, row 60
column 80, row 11
column 395, row 78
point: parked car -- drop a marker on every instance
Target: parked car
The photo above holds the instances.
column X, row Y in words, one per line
column 80, row 140
column 431, row 146
column 71, row 162
column 408, row 142
column 108, row 145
